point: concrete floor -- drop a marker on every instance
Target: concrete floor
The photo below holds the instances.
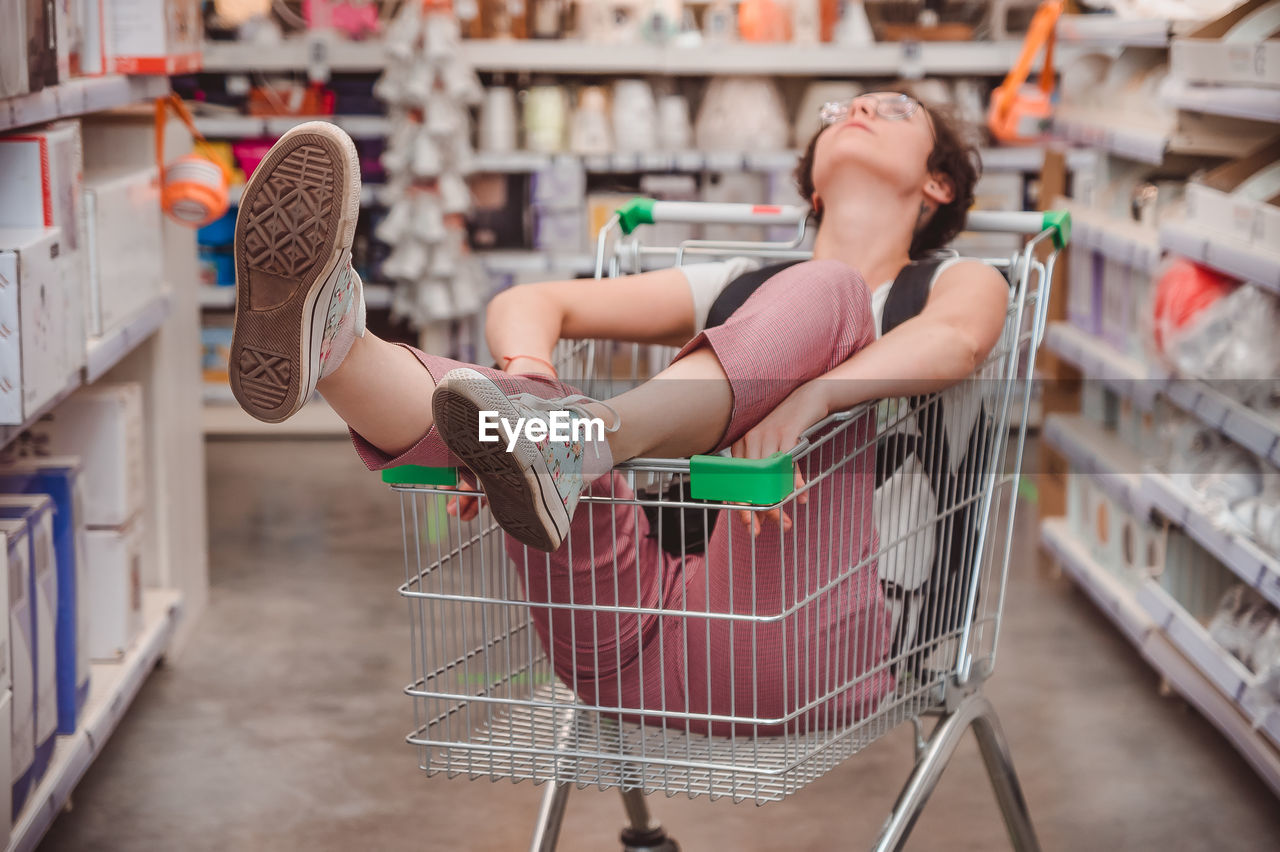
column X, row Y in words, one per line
column 281, row 727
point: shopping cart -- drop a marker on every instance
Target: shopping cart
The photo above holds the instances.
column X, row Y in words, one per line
column 915, row 586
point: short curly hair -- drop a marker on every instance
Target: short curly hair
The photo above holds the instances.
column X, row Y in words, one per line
column 953, row 155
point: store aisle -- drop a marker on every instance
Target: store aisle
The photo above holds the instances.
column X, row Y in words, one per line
column 282, row 726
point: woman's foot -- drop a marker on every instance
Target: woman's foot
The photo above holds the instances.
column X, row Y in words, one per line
column 532, row 486
column 299, row 304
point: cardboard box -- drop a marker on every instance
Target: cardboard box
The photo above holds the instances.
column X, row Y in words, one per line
column 41, row 183
column 156, row 36
column 59, row 478
column 33, row 365
column 1214, row 204
column 22, row 643
column 102, row 425
column 115, row 587
column 1203, row 57
column 13, row 50
column 124, row 245
column 97, row 48
column 36, row 511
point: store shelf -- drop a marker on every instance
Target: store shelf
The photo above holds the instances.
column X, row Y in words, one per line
column 1113, row 31
column 1125, row 241
column 516, row 261
column 77, row 97
column 376, row 297
column 1098, row 454
column 576, row 57
column 1112, row 596
column 1254, row 735
column 1233, row 101
column 1242, row 425
column 1099, row 360
column 370, row 194
column 103, row 353
column 1257, row 568
column 222, row 418
column 1134, row 142
column 112, row 687
column 253, row 126
column 1233, row 257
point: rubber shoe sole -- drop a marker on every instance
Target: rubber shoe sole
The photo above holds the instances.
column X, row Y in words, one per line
column 521, row 492
column 296, row 222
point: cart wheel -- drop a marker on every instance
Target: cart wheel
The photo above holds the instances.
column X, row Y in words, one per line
column 653, row 840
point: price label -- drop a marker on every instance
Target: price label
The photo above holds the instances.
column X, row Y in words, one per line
column 912, row 61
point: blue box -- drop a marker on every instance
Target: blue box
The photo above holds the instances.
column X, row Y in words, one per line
column 36, row 510
column 59, row 478
column 22, row 644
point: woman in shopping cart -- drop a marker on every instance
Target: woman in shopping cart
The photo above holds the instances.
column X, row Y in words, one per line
column 888, row 180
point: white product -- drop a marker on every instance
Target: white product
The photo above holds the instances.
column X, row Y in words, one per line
column 13, row 51
column 6, row 765
column 546, row 118
column 497, row 131
column 155, row 36
column 125, row 248
column 115, row 587
column 1238, row 48
column 675, row 132
column 591, row 131
column 635, row 116
column 22, row 740
column 742, row 114
column 102, row 425
column 67, row 21
column 41, row 176
column 33, row 366
column 97, row 48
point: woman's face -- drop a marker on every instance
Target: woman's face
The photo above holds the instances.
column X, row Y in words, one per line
column 861, row 139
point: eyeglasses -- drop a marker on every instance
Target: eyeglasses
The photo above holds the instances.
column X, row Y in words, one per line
column 894, row 107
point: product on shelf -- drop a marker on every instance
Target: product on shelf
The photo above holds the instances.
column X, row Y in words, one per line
column 33, row 362
column 125, row 248
column 1183, row 290
column 97, row 45
column 21, row 656
column 13, row 51
column 635, row 116
column 1238, row 48
column 155, row 36
column 114, row 578
column 59, row 478
column 102, row 426
column 36, row 512
column 1249, row 628
column 742, row 114
column 215, row 346
column 546, row 118
column 497, row 130
column 1240, row 199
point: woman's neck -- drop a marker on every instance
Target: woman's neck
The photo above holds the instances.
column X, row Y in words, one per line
column 873, row 238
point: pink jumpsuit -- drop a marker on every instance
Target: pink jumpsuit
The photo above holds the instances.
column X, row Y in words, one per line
column 812, row 655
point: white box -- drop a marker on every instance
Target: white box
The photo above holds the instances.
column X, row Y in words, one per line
column 102, row 425
column 13, row 51
column 41, row 184
column 6, row 764
column 1204, row 57
column 1213, row 202
column 22, row 740
column 156, row 36
column 97, row 49
column 125, row 246
column 115, row 587
column 33, row 365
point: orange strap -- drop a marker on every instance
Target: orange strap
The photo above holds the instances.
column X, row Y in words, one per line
column 506, row 362
column 172, row 101
column 1040, row 33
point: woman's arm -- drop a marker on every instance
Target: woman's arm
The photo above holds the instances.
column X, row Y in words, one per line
column 943, row 344
column 651, row 307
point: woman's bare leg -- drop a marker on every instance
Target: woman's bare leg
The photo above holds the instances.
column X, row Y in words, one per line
column 682, row 411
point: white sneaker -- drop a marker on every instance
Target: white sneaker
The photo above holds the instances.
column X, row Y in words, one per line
column 299, row 304
column 533, row 488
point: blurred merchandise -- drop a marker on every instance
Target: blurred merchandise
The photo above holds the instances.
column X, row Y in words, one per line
column 546, row 115
column 635, row 119
column 742, row 114
column 591, row 131
column 498, row 129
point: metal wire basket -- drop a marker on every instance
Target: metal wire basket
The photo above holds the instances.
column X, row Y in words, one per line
column 877, row 601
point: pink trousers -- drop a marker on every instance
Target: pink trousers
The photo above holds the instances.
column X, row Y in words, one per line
column 807, row 649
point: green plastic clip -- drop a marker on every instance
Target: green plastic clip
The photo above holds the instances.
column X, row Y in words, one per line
column 1060, row 222
column 757, row 482
column 636, row 212
column 415, row 474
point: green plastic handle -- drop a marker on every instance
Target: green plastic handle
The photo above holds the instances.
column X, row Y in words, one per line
column 757, row 482
column 636, row 212
column 414, row 474
column 1060, row 222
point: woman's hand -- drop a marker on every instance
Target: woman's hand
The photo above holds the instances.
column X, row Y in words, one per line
column 781, row 430
column 466, row 506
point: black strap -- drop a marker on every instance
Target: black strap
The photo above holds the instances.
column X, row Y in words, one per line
column 908, row 293
column 737, row 291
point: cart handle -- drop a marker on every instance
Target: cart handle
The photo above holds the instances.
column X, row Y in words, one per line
column 647, row 211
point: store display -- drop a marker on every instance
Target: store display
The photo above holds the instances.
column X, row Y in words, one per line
column 635, row 116
column 742, row 114
column 1240, row 199
column 546, row 118
column 1238, row 48
column 123, row 230
column 497, row 131
column 36, row 512
column 155, row 36
column 13, row 51
column 60, row 479
column 102, row 425
column 21, row 657
column 194, row 187
column 114, row 582
column 33, row 359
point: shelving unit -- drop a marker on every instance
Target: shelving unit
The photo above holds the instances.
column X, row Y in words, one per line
column 112, row 688
column 1099, row 360
column 78, row 97
column 1255, row 734
column 376, row 297
column 1102, row 31
column 1234, row 257
column 1233, row 101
